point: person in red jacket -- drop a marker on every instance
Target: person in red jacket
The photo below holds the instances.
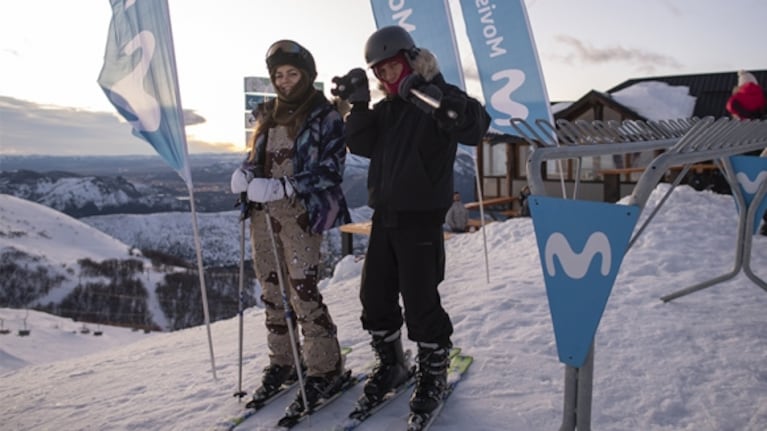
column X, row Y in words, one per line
column 747, row 100
column 748, row 103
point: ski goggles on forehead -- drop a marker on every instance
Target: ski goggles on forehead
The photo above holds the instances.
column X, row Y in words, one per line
column 286, row 46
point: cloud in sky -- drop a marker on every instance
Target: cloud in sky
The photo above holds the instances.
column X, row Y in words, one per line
column 642, row 60
column 31, row 128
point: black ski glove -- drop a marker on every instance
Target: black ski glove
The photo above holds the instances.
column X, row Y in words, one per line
column 353, row 86
column 450, row 113
column 416, row 82
column 449, row 108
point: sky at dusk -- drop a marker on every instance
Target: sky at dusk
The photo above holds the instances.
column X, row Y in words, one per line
column 51, row 53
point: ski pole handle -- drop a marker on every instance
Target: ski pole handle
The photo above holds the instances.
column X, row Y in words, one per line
column 425, row 98
column 244, row 205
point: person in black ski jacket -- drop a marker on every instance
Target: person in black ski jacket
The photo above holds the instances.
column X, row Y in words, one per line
column 411, row 145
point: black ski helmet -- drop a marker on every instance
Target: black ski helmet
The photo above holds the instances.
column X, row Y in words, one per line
column 386, row 42
column 292, row 53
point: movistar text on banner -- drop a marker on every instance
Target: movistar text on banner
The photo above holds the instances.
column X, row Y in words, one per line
column 430, row 25
column 507, row 60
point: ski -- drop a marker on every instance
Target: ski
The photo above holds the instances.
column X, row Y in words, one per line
column 252, row 407
column 423, row 421
column 365, row 408
column 289, row 420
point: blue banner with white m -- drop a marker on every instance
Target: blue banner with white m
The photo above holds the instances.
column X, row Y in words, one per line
column 581, row 246
column 507, row 60
column 139, row 78
column 430, row 25
column 751, row 173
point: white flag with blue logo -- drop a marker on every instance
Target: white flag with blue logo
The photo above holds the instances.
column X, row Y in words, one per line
column 139, row 78
column 509, row 70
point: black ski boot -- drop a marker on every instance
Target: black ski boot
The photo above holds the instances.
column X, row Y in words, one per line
column 275, row 377
column 391, row 369
column 317, row 388
column 431, row 377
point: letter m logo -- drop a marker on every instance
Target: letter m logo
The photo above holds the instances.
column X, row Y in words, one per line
column 751, row 173
column 581, row 246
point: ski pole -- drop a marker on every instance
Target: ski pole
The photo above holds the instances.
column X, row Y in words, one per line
column 244, row 210
column 434, row 103
column 286, row 305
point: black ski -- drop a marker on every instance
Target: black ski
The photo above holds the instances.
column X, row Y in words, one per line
column 290, row 420
column 423, row 421
column 365, row 408
column 253, row 406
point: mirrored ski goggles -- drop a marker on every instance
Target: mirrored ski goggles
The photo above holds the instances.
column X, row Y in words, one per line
column 286, row 46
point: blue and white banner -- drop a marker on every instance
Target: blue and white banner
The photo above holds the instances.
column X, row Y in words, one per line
column 581, row 246
column 507, row 60
column 751, row 172
column 139, row 78
column 430, row 25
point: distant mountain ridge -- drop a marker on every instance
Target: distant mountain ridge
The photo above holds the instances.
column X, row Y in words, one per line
column 85, row 186
column 53, row 262
column 84, row 195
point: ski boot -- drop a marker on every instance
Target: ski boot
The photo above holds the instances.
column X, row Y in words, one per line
column 275, row 378
column 318, row 389
column 431, row 377
column 391, row 369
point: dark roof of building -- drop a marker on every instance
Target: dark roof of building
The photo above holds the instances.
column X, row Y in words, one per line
column 711, row 90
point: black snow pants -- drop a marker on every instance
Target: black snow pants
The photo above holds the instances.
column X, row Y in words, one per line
column 405, row 257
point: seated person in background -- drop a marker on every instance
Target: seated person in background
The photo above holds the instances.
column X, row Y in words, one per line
column 457, row 217
column 523, row 195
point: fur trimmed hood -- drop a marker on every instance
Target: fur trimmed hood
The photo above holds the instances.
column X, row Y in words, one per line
column 425, row 64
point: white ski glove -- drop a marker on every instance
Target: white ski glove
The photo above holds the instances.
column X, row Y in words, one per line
column 269, row 189
column 240, row 179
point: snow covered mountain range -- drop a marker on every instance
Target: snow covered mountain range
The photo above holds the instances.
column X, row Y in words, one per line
column 57, row 263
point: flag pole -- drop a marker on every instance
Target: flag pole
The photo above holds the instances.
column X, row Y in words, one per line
column 144, row 89
column 203, row 290
column 187, row 176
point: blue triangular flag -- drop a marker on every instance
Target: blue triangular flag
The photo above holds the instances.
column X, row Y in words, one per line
column 581, row 246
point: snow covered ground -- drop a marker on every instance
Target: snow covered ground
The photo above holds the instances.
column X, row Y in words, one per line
column 696, row 363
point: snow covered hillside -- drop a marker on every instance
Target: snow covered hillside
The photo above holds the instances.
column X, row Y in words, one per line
column 46, row 255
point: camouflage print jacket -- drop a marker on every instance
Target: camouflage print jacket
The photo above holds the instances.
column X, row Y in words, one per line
column 318, row 166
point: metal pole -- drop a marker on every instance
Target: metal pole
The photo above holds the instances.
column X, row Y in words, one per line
column 244, row 213
column 578, row 395
column 203, row 290
column 585, row 385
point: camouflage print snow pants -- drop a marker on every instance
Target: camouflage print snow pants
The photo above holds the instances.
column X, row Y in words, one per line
column 300, row 254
